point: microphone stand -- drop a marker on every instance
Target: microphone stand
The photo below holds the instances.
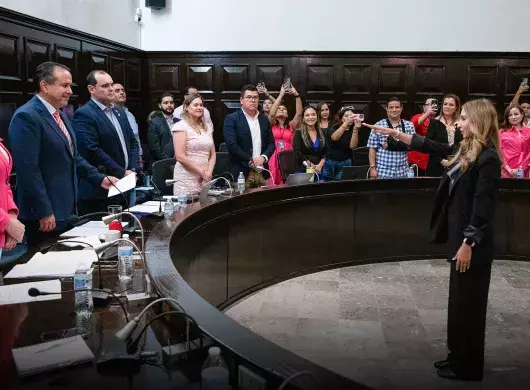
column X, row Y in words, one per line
column 159, row 214
column 261, row 169
column 173, row 181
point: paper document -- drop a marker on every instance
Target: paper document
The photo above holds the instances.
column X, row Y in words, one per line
column 18, row 293
column 90, row 240
column 51, row 355
column 91, row 228
column 125, row 184
column 53, row 264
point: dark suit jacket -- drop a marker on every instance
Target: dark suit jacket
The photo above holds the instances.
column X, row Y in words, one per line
column 47, row 172
column 99, row 144
column 302, row 152
column 159, row 138
column 465, row 206
column 239, row 142
column 437, row 132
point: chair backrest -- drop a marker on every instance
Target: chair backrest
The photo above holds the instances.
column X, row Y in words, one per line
column 357, row 172
column 163, row 170
column 221, row 163
column 360, row 156
column 222, row 147
column 286, row 163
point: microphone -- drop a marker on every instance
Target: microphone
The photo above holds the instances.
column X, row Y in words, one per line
column 35, row 292
column 103, row 170
column 159, row 214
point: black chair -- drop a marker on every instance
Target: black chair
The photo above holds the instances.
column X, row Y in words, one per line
column 221, row 165
column 222, row 148
column 163, row 170
column 357, row 172
column 286, row 163
column 360, row 156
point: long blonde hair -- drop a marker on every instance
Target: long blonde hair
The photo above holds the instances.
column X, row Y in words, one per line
column 483, row 116
column 187, row 101
column 305, row 133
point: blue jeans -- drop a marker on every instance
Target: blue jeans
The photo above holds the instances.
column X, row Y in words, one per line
column 332, row 170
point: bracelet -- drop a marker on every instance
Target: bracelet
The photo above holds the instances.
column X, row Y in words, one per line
column 372, row 166
column 296, row 96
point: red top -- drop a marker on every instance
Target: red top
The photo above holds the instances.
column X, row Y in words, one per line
column 420, row 159
column 515, row 147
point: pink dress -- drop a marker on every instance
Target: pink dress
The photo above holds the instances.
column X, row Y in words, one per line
column 198, row 148
column 515, row 149
column 282, row 137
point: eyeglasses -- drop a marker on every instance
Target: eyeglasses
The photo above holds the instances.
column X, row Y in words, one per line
column 251, row 98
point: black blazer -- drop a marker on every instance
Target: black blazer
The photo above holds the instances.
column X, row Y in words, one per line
column 438, row 133
column 238, row 141
column 303, row 153
column 465, row 206
column 159, row 138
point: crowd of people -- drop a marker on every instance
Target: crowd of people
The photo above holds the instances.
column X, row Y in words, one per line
column 66, row 166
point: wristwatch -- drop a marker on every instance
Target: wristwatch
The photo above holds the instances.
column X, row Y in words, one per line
column 469, row 241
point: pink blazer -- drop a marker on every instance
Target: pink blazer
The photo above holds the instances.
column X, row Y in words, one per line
column 7, row 203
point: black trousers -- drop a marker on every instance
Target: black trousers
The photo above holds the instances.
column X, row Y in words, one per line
column 36, row 240
column 466, row 323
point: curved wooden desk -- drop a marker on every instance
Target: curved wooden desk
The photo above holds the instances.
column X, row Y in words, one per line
column 234, row 247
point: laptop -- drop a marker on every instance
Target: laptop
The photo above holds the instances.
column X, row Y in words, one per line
column 298, row 178
column 358, row 172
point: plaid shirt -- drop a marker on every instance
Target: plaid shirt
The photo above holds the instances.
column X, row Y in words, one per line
column 390, row 164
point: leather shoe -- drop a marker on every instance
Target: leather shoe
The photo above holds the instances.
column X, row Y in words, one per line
column 442, row 363
column 448, row 373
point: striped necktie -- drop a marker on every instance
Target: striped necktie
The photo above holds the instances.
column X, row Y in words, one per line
column 61, row 125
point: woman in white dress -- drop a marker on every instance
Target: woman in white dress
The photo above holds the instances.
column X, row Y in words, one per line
column 194, row 148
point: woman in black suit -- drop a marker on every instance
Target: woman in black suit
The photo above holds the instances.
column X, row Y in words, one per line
column 309, row 143
column 463, row 217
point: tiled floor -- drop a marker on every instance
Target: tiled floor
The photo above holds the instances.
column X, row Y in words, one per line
column 384, row 324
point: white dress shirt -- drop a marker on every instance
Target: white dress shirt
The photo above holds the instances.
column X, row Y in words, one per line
column 134, row 127
column 255, row 132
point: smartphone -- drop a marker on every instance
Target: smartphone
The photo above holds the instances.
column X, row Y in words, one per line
column 359, row 117
column 525, row 80
column 287, row 83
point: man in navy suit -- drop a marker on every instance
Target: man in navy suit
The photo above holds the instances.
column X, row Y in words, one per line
column 105, row 139
column 47, row 163
column 249, row 140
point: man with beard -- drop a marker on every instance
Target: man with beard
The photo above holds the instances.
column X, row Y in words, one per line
column 159, row 137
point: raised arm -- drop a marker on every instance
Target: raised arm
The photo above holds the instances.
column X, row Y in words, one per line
column 416, row 142
column 522, row 88
column 274, row 108
column 299, row 108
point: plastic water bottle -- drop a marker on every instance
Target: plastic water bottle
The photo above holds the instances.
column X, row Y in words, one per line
column 83, row 299
column 183, row 200
column 214, row 375
column 241, row 182
column 125, row 259
column 169, row 207
column 410, row 173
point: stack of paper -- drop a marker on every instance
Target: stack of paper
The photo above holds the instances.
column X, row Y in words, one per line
column 53, row 264
column 91, row 228
column 149, row 207
column 51, row 355
column 18, row 293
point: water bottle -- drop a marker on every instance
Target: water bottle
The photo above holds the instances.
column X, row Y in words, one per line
column 410, row 173
column 520, row 173
column 183, row 200
column 169, row 207
column 214, row 375
column 83, row 299
column 125, row 259
column 241, row 182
